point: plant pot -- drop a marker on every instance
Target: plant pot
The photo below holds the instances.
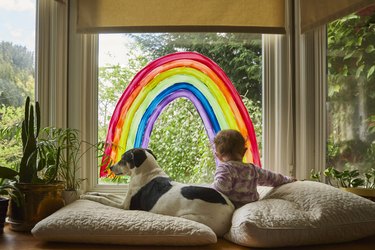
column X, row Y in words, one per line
column 368, row 193
column 41, row 200
column 4, row 202
column 70, row 196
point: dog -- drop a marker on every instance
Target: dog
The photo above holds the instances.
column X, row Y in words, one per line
column 150, row 189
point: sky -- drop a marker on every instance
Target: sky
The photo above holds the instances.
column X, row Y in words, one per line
column 17, row 22
column 17, row 25
column 113, row 49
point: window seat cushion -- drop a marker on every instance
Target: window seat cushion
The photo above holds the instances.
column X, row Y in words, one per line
column 91, row 222
column 302, row 213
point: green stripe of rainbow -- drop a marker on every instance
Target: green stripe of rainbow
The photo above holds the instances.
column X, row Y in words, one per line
column 188, row 67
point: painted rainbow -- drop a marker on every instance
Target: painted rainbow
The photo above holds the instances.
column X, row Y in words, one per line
column 179, row 75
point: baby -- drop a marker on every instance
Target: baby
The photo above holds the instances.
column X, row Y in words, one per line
column 236, row 179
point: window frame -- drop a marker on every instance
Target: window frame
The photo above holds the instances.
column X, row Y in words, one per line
column 286, row 68
column 51, row 61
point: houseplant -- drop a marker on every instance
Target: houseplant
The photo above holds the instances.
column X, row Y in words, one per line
column 350, row 180
column 7, row 189
column 73, row 149
column 67, row 140
column 36, row 177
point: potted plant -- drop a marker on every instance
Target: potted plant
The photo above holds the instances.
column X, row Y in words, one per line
column 67, row 140
column 7, row 189
column 350, row 181
column 37, row 175
column 72, row 151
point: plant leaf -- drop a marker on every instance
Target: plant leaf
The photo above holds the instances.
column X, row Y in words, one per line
column 371, row 71
column 7, row 173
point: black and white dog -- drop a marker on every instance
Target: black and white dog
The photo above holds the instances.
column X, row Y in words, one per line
column 150, row 189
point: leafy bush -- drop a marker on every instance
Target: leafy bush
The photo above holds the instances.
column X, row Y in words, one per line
column 180, row 142
column 10, row 132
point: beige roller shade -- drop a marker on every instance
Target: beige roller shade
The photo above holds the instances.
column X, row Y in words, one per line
column 318, row 12
column 261, row 16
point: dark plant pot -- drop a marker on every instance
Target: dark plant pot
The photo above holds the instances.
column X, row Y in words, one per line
column 4, row 202
column 41, row 200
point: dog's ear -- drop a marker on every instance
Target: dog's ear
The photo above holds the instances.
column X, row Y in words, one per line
column 149, row 150
column 128, row 157
column 139, row 156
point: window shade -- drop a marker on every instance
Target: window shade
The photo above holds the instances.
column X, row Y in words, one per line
column 318, row 12
column 257, row 16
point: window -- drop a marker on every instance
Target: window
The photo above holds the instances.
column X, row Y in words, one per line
column 351, row 91
column 178, row 137
column 17, row 70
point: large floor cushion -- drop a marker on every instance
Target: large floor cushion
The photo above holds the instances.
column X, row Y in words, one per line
column 302, row 213
column 91, row 222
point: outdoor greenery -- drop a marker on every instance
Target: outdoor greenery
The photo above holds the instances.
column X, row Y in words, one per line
column 16, row 82
column 351, row 92
column 16, row 74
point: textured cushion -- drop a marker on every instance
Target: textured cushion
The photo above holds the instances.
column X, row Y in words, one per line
column 91, row 222
column 302, row 213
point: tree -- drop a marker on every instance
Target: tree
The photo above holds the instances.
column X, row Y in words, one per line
column 16, row 74
column 16, row 82
column 351, row 89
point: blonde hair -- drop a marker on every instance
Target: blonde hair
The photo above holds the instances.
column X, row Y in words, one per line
column 229, row 142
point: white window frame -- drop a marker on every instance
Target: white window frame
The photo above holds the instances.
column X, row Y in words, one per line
column 51, row 61
column 310, row 99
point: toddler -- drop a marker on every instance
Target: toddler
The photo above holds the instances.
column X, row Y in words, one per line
column 236, row 179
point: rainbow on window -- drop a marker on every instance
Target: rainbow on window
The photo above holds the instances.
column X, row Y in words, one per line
column 179, row 75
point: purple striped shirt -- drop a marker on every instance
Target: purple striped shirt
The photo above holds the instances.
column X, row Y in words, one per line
column 239, row 181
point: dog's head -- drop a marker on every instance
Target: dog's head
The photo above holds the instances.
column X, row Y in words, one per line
column 134, row 159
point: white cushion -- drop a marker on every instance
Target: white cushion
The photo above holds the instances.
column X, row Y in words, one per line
column 302, row 213
column 91, row 222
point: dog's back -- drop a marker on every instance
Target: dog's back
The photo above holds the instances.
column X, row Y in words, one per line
column 151, row 190
column 197, row 203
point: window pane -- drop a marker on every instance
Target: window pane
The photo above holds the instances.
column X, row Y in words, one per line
column 351, row 91
column 179, row 139
column 17, row 66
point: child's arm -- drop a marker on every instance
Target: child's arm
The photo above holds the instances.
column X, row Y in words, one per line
column 223, row 179
column 269, row 178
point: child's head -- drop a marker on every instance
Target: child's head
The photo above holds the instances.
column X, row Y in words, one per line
column 229, row 145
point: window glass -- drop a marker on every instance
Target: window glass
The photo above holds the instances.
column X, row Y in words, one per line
column 351, row 92
column 17, row 67
column 178, row 138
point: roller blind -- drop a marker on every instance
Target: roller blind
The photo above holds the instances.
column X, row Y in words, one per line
column 318, row 12
column 258, row 16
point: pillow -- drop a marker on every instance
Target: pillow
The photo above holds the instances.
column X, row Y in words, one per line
column 302, row 213
column 91, row 222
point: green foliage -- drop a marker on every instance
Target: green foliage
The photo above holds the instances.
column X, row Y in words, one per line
column 16, row 74
column 39, row 160
column 180, row 142
column 348, row 178
column 28, row 165
column 10, row 136
column 7, row 188
column 16, row 82
column 351, row 91
column 72, row 150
